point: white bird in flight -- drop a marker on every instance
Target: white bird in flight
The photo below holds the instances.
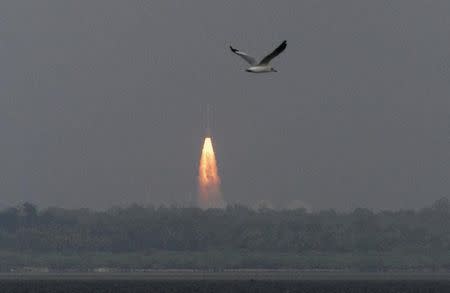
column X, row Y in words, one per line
column 263, row 65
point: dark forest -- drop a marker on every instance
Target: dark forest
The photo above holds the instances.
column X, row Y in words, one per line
column 234, row 237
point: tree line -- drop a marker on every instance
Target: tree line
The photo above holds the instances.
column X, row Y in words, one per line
column 235, row 228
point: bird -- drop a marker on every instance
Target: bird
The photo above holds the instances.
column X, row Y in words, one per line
column 263, row 66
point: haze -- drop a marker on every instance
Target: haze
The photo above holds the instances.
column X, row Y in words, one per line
column 102, row 103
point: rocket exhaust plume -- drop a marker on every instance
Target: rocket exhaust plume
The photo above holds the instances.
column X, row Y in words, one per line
column 209, row 195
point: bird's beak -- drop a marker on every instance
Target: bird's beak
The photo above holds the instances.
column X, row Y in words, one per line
column 274, row 70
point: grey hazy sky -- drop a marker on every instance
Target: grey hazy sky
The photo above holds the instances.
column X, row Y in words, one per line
column 102, row 102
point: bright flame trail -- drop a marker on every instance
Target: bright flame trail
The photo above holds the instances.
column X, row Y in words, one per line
column 208, row 178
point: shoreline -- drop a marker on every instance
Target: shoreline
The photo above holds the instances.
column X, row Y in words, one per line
column 233, row 275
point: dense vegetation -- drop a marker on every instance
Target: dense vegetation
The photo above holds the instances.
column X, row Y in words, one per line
column 233, row 237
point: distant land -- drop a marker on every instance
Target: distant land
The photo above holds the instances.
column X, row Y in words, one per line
column 251, row 275
column 145, row 239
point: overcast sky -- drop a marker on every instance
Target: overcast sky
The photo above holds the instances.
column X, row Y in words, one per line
column 103, row 102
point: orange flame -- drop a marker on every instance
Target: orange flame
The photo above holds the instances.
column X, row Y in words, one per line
column 208, row 178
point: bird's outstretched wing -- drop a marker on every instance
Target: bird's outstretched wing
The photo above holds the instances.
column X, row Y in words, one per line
column 274, row 54
column 244, row 56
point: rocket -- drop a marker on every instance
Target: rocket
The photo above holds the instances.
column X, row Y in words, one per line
column 208, row 121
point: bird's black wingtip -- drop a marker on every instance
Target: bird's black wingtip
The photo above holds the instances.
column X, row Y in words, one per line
column 233, row 49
